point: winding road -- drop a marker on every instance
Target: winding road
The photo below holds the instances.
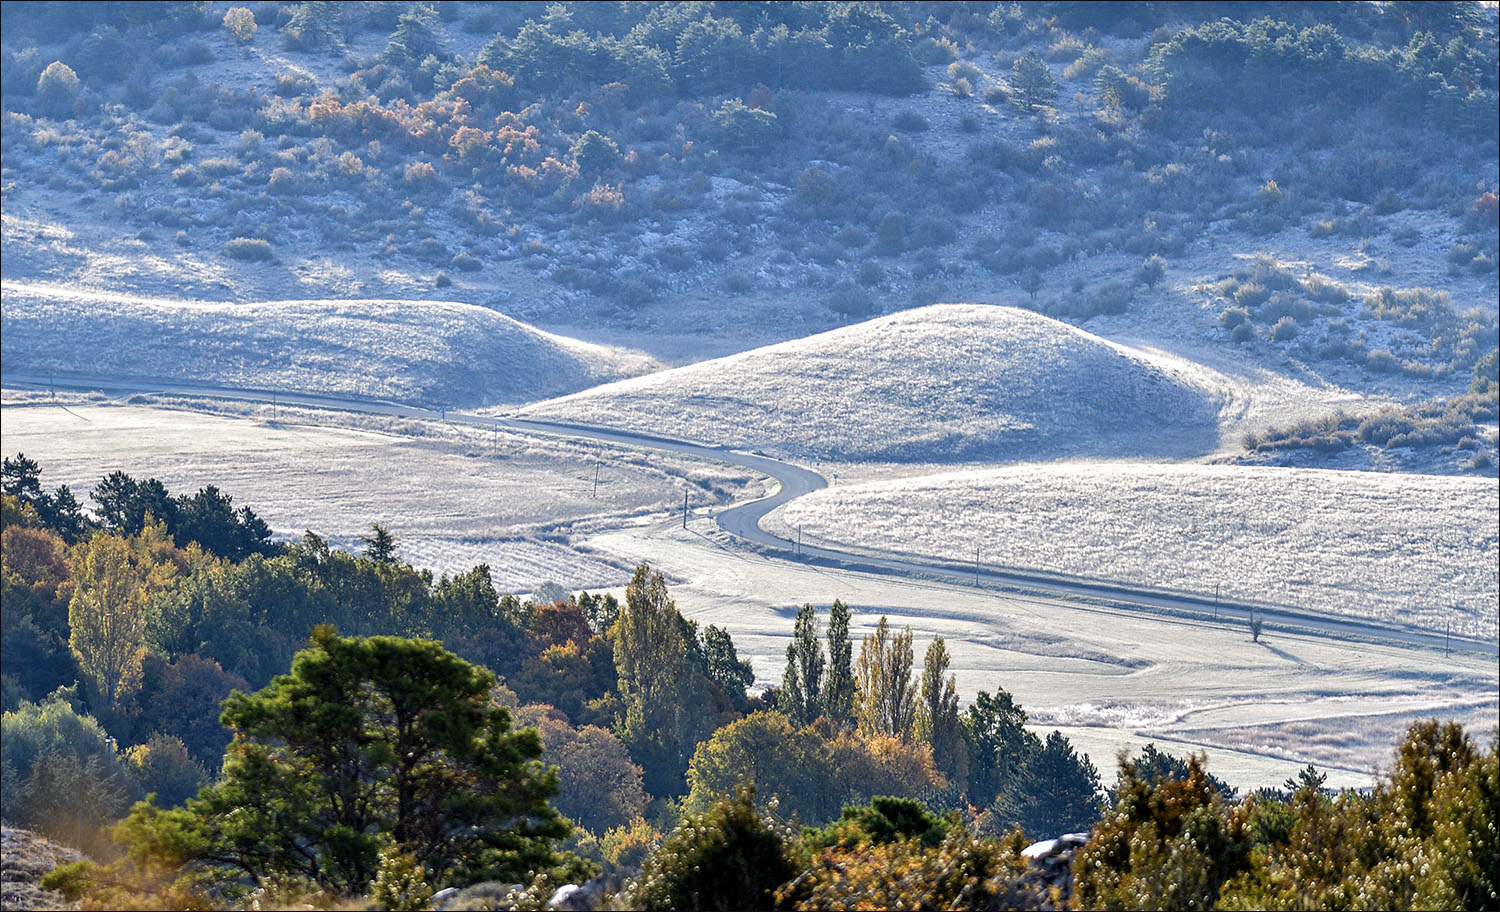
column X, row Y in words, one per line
column 743, row 520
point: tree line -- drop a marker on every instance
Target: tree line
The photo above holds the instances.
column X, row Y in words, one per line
column 442, row 734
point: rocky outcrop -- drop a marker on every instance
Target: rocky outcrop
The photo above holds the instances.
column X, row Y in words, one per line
column 1051, row 863
column 24, row 859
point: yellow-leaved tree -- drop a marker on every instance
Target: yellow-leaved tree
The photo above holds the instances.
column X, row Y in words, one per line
column 113, row 579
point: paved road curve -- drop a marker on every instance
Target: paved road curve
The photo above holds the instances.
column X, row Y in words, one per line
column 743, row 520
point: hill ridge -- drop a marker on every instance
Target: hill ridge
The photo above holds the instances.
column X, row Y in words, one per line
column 944, row 382
column 441, row 352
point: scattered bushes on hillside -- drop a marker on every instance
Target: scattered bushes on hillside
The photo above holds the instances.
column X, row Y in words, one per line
column 1440, row 428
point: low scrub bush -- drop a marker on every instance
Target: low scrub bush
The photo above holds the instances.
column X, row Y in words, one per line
column 1251, row 295
column 909, row 122
column 937, row 51
column 850, row 301
column 1324, row 290
column 250, row 250
column 1111, row 298
column 1421, row 307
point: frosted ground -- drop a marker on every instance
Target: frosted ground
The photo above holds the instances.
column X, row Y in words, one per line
column 454, row 496
column 1410, row 549
column 428, row 352
column 941, row 383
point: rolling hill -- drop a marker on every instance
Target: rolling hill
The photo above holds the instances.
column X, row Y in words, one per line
column 427, row 352
column 943, row 383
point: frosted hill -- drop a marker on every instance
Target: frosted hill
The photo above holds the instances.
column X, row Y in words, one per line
column 427, row 352
column 947, row 382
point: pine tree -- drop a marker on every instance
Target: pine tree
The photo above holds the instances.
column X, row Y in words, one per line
column 368, row 740
column 994, row 729
column 1033, row 82
column 1056, row 792
column 380, row 544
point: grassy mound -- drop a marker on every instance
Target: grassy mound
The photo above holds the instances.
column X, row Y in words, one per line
column 942, row 383
column 427, row 352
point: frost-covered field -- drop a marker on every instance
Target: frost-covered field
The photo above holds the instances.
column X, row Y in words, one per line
column 1413, row 549
column 454, row 496
column 428, row 352
column 1109, row 679
column 943, row 383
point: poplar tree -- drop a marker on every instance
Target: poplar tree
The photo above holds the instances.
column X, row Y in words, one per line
column 886, row 699
column 106, row 617
column 801, row 682
column 838, row 688
column 661, row 683
column 937, row 712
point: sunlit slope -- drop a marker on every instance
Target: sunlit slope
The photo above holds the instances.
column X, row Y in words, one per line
column 1411, row 549
column 940, row 383
column 427, row 352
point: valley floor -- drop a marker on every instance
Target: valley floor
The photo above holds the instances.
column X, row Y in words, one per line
column 1109, row 678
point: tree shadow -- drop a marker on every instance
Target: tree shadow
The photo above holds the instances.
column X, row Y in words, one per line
column 1280, row 653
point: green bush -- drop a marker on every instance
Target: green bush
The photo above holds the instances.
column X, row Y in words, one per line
column 1167, row 844
column 724, row 858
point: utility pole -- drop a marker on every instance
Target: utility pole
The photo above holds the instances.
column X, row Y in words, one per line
column 596, row 480
column 976, row 566
column 684, row 507
column 1216, row 600
column 799, row 539
column 274, row 412
column 1446, row 625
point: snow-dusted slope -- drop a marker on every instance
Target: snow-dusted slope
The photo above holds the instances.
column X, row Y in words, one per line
column 940, row 383
column 1413, row 549
column 429, row 352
